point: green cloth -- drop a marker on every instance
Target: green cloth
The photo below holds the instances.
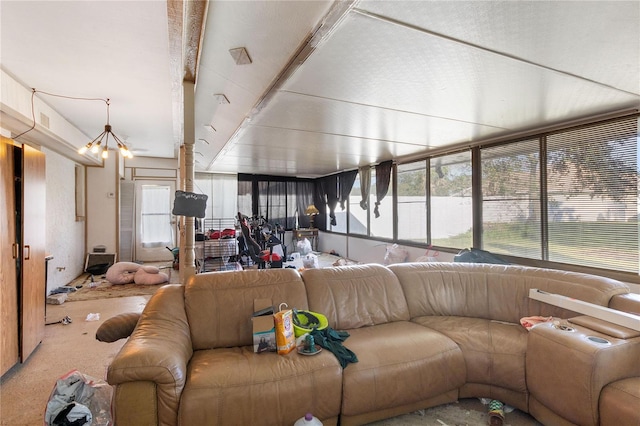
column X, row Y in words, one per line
column 331, row 340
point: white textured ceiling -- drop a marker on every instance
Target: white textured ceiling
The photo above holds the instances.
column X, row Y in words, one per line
column 332, row 86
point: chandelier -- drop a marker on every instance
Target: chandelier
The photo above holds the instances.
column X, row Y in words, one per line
column 101, row 142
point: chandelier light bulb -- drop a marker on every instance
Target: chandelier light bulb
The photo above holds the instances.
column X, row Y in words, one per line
column 95, row 148
column 83, row 149
column 105, row 153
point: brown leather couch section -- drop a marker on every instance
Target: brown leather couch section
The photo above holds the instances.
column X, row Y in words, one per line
column 219, row 306
column 158, row 351
column 566, row 370
column 234, row 386
column 620, row 403
column 424, row 334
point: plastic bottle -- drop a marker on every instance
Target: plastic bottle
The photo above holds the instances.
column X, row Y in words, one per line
column 308, row 420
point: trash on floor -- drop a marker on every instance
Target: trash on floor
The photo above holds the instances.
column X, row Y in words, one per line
column 64, row 321
column 57, row 299
column 78, row 399
column 93, row 317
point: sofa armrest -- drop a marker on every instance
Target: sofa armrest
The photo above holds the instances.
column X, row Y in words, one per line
column 158, row 351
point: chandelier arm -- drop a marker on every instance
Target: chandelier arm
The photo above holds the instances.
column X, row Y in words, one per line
column 98, row 139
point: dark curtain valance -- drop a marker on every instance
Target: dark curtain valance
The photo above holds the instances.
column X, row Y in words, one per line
column 345, row 184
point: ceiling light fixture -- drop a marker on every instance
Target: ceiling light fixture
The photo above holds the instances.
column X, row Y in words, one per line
column 240, row 56
column 221, row 98
column 96, row 146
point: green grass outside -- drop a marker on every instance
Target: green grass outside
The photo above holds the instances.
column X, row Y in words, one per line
column 608, row 245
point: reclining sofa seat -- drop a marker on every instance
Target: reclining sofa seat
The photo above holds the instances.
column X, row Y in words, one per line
column 215, row 378
column 402, row 366
column 480, row 306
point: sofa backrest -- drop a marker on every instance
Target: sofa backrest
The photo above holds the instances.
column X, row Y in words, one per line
column 496, row 292
column 219, row 305
column 355, row 296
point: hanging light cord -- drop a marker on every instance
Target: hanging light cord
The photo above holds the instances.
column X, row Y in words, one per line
column 33, row 112
column 106, row 132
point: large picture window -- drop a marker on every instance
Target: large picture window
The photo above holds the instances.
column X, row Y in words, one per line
column 511, row 220
column 451, row 206
column 593, row 195
column 412, row 202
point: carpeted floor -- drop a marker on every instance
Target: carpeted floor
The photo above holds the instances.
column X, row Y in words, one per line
column 25, row 389
column 103, row 289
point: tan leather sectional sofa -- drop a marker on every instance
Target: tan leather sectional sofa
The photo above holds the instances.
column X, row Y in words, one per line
column 424, row 334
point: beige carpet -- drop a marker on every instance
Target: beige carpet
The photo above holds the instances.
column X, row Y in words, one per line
column 103, row 289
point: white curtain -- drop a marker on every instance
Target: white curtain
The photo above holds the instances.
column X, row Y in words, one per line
column 222, row 190
column 156, row 216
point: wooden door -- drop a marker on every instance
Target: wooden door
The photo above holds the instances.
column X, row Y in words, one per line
column 33, row 250
column 9, row 353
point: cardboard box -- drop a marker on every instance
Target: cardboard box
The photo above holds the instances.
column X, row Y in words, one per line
column 264, row 332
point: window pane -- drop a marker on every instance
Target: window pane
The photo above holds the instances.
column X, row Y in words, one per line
column 156, row 216
column 451, row 208
column 511, row 221
column 593, row 196
column 412, row 202
column 357, row 215
column 245, row 197
column 381, row 226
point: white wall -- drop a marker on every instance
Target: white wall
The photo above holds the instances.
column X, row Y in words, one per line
column 102, row 207
column 64, row 235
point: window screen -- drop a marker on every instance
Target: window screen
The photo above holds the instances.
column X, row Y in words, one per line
column 412, row 201
column 451, row 207
column 511, row 221
column 593, row 195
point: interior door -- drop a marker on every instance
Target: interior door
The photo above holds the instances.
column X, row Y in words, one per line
column 33, row 249
column 9, row 350
column 155, row 225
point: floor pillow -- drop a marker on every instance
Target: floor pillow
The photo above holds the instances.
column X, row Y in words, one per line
column 122, row 272
column 150, row 275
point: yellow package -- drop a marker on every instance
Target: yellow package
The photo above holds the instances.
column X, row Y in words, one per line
column 285, row 338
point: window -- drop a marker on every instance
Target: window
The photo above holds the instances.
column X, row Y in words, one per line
column 221, row 190
column 412, row 202
column 451, row 207
column 156, row 229
column 272, row 204
column 511, row 220
column 593, row 195
column 382, row 226
column 357, row 215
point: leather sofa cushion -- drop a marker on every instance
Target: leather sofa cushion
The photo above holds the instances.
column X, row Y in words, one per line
column 620, row 403
column 497, row 292
column 219, row 305
column 629, row 302
column 399, row 363
column 494, row 352
column 235, row 386
column 355, row 296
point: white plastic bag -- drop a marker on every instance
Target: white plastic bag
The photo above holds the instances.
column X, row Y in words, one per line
column 304, row 247
column 79, row 398
column 310, row 261
column 395, row 254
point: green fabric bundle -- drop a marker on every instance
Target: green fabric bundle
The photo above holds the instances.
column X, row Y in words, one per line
column 331, row 340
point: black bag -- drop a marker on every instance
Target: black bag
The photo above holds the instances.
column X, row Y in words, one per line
column 474, row 255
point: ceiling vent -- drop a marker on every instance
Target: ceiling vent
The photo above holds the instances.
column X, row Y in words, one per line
column 240, row 55
column 44, row 120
